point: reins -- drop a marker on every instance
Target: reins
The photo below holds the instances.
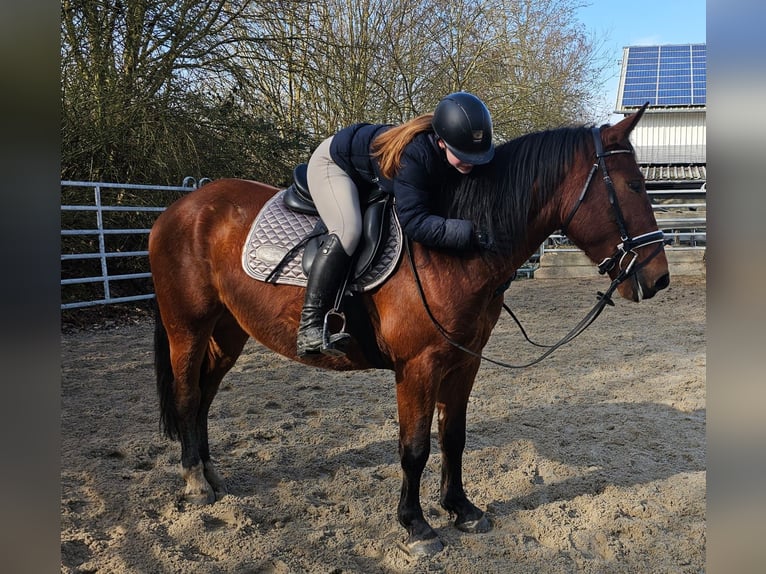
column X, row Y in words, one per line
column 603, row 300
column 624, row 249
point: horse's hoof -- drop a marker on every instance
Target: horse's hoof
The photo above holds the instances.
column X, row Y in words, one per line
column 216, row 482
column 475, row 526
column 422, row 548
column 200, row 498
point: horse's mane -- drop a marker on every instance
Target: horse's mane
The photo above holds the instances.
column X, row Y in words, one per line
column 520, row 180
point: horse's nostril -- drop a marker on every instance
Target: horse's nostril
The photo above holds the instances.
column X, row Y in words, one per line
column 662, row 282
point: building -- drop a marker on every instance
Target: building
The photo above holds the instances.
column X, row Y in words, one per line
column 670, row 143
column 670, row 139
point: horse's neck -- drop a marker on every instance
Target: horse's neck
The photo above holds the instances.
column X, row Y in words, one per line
column 465, row 277
column 540, row 226
column 485, row 273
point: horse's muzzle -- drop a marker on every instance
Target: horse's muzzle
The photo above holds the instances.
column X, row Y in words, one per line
column 639, row 286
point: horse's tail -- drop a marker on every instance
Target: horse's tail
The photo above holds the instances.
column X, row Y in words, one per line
column 164, row 372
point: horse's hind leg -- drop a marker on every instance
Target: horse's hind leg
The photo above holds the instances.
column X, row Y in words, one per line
column 452, row 405
column 187, row 355
column 224, row 348
column 199, row 357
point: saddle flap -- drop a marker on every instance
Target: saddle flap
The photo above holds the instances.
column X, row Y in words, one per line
column 375, row 230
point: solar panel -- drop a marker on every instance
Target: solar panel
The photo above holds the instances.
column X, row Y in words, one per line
column 673, row 75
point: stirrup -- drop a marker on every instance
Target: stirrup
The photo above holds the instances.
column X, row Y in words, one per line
column 334, row 344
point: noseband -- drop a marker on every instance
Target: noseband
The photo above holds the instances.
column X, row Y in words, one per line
column 628, row 244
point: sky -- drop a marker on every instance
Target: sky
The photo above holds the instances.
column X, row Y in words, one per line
column 648, row 22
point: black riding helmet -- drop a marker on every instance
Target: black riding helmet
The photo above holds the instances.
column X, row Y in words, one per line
column 463, row 122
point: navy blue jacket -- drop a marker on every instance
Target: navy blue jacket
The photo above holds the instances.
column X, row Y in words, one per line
column 424, row 169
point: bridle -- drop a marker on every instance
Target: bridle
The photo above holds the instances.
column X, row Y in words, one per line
column 626, row 248
column 628, row 244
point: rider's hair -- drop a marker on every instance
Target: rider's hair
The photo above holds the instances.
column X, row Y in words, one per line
column 388, row 147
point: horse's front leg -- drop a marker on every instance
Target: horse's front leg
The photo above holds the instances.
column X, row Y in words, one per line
column 452, row 405
column 415, row 401
column 211, row 475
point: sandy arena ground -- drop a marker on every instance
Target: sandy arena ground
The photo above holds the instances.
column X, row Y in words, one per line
column 592, row 461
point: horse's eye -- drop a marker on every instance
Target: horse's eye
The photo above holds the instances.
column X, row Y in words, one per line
column 636, row 185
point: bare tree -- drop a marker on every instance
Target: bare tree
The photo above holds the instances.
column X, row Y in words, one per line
column 550, row 66
column 146, row 84
column 165, row 88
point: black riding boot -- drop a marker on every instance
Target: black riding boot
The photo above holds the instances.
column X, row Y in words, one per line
column 325, row 278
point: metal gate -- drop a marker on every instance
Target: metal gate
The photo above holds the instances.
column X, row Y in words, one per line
column 104, row 236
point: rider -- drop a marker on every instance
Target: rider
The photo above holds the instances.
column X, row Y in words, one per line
column 412, row 161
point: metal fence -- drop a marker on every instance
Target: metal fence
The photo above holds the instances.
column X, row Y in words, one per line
column 681, row 214
column 104, row 235
column 105, row 229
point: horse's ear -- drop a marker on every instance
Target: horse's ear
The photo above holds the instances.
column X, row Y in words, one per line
column 623, row 128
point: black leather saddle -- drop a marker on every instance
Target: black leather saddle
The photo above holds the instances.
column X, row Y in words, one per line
column 376, row 207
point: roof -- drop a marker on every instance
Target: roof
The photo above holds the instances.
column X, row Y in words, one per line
column 690, row 173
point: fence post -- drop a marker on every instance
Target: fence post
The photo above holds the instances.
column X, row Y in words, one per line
column 101, row 241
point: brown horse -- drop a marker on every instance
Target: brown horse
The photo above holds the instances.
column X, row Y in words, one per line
column 583, row 179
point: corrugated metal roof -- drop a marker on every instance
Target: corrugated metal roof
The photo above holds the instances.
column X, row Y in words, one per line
column 674, row 173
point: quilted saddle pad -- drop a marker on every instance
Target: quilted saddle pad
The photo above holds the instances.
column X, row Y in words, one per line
column 277, row 231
